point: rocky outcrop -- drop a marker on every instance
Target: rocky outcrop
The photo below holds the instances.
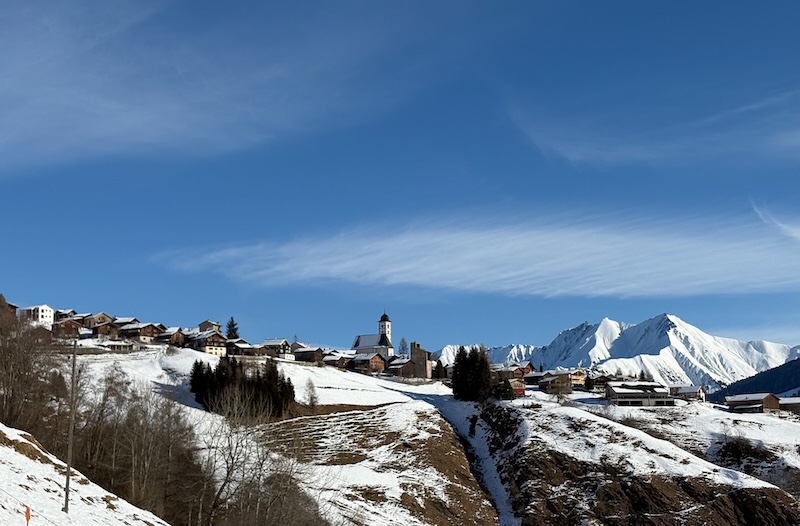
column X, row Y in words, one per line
column 550, row 487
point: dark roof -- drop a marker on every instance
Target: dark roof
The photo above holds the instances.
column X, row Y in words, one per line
column 385, row 317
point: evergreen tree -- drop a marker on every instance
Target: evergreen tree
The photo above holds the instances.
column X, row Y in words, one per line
column 403, row 346
column 459, row 373
column 440, row 371
column 231, row 330
column 472, row 378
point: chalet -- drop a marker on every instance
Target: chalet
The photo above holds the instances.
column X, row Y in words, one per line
column 533, row 377
column 338, row 360
column 96, row 319
column 210, row 342
column 66, row 329
column 380, row 343
column 308, row 354
column 7, row 309
column 209, row 325
column 505, row 372
column 555, row 383
column 172, row 336
column 142, row 332
column 638, row 394
column 577, row 377
column 688, row 392
column 518, row 386
column 63, row 314
column 401, row 366
column 238, row 347
column 790, row 404
column 275, row 347
column 121, row 321
column 105, row 331
column 40, row 315
column 423, row 366
column 752, row 403
column 599, row 382
column 368, row 363
column 527, row 367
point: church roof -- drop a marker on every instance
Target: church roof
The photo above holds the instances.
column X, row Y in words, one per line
column 370, row 341
column 385, row 317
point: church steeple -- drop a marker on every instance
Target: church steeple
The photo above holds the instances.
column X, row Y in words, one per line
column 385, row 327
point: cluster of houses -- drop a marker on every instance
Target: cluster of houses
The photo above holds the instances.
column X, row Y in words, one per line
column 761, row 403
column 370, row 353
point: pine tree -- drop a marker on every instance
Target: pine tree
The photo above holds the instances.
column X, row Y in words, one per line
column 403, row 346
column 231, row 330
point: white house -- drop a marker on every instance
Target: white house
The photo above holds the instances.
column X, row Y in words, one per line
column 41, row 315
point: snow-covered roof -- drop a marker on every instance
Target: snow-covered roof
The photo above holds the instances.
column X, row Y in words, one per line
column 790, row 401
column 637, row 387
column 749, row 397
column 271, row 342
column 125, row 320
column 369, row 341
column 365, row 356
column 687, row 389
column 399, row 362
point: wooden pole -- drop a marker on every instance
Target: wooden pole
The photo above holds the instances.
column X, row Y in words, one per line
column 71, row 429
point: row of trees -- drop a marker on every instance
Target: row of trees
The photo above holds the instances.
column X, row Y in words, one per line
column 472, row 378
column 263, row 391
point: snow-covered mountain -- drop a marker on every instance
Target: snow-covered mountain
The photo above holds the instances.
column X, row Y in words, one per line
column 664, row 347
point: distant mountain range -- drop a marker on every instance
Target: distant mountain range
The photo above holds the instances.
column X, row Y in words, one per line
column 665, row 347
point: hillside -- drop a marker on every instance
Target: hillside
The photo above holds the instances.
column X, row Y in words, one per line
column 401, row 458
column 664, row 347
column 30, row 476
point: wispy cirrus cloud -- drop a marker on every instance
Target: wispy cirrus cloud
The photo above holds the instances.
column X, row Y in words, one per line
column 586, row 257
column 769, row 127
column 84, row 80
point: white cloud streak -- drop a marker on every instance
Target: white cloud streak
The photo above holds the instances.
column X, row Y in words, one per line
column 768, row 128
column 590, row 257
column 83, row 79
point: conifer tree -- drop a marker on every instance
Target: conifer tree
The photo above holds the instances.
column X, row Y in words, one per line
column 231, row 329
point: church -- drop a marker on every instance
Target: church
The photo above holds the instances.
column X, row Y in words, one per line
column 380, row 343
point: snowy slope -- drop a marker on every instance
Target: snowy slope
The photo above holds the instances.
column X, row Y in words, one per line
column 394, row 461
column 29, row 476
column 664, row 347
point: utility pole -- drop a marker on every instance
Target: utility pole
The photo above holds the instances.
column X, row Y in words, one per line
column 71, row 429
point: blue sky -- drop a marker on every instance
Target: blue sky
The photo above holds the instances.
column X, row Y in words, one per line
column 482, row 172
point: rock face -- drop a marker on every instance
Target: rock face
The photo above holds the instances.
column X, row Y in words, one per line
column 551, row 487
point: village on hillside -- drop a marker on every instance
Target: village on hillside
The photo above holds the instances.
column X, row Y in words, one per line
column 372, row 354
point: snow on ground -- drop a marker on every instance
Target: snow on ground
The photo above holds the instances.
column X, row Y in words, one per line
column 700, row 427
column 566, row 429
column 31, row 477
column 601, row 439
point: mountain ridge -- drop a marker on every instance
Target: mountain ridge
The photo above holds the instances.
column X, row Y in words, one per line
column 664, row 347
